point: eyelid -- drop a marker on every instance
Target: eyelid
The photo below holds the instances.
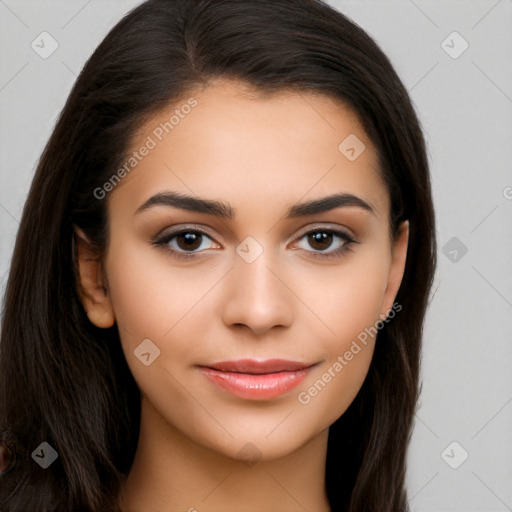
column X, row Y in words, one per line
column 162, row 240
column 164, row 236
column 329, row 254
column 326, row 226
column 170, row 231
column 180, row 228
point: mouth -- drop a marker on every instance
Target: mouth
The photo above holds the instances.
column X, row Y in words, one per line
column 256, row 380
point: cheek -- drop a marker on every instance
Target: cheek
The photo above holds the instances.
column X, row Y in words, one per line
column 351, row 309
column 150, row 296
column 170, row 306
column 346, row 298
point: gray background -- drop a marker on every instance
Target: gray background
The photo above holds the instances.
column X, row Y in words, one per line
column 465, row 105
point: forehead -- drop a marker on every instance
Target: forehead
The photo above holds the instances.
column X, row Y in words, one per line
column 231, row 142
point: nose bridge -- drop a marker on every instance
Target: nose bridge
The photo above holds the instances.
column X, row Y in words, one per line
column 256, row 279
column 256, row 297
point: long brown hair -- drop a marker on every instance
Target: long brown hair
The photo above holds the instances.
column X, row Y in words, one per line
column 66, row 382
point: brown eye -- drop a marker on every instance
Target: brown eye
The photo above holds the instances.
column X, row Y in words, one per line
column 325, row 243
column 189, row 241
column 320, row 240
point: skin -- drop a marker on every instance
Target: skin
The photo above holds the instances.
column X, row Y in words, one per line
column 261, row 155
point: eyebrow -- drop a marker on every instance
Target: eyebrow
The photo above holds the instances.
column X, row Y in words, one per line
column 224, row 210
column 185, row 202
column 325, row 204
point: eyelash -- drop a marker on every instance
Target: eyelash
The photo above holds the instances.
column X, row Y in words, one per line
column 164, row 241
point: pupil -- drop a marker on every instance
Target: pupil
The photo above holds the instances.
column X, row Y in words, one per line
column 189, row 240
column 320, row 240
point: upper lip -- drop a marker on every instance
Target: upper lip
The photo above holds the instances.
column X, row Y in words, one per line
column 257, row 367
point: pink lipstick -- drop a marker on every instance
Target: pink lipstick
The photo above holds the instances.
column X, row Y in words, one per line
column 256, row 380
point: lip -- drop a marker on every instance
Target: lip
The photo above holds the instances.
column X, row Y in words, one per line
column 251, row 379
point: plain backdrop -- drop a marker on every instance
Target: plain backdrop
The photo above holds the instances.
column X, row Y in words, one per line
column 455, row 59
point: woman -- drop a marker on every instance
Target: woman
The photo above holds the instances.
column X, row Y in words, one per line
column 219, row 283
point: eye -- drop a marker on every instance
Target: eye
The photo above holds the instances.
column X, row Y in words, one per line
column 186, row 242
column 325, row 242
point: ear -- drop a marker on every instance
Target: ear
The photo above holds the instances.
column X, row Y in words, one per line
column 396, row 271
column 92, row 286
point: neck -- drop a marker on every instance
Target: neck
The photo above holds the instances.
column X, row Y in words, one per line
column 172, row 472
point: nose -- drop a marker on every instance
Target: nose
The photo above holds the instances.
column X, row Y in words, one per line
column 256, row 297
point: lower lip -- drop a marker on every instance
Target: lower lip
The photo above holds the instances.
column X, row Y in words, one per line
column 255, row 386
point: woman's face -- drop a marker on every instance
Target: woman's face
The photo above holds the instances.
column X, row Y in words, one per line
column 249, row 261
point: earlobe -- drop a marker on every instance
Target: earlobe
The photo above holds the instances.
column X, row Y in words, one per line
column 396, row 272
column 91, row 286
